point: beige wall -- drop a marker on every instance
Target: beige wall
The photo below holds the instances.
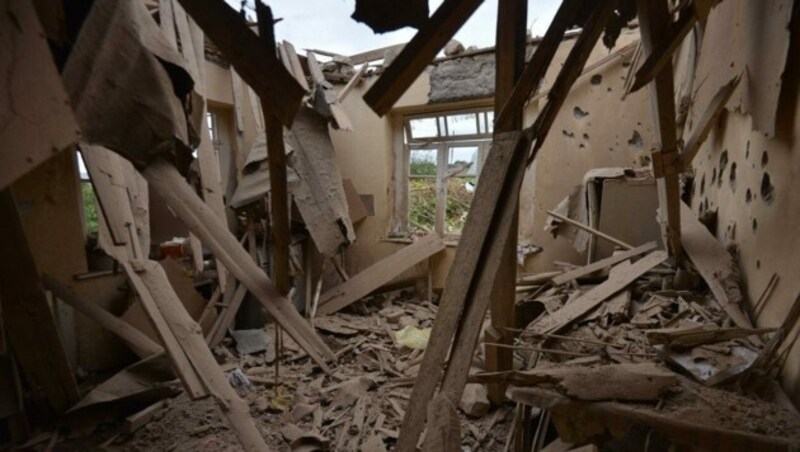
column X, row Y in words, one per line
column 367, row 154
column 765, row 233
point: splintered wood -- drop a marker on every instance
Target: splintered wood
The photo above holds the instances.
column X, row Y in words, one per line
column 201, row 220
column 379, row 274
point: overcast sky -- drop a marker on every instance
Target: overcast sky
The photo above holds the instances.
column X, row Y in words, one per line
column 326, row 24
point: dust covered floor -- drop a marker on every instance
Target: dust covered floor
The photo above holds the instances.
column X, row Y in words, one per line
column 360, row 406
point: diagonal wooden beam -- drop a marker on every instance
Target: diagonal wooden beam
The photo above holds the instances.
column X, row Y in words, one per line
column 573, row 66
column 654, row 20
column 418, row 53
column 536, row 68
column 251, row 58
column 510, row 49
column 276, row 151
column 199, row 219
column 469, row 284
column 664, row 50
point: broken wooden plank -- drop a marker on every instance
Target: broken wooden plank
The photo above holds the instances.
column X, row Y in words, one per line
column 715, row 265
column 615, row 415
column 352, row 83
column 654, row 19
column 226, row 317
column 201, row 220
column 279, row 202
column 320, row 195
column 707, row 122
column 602, row 263
column 618, row 306
column 444, row 434
column 27, row 320
column 582, row 305
column 183, row 368
column 378, row 274
column 253, row 61
column 590, row 230
column 469, row 283
column 418, row 53
column 297, row 68
column 629, row 381
column 191, row 340
column 142, row 345
column 325, row 91
column 37, row 121
column 510, row 49
column 699, row 335
column 367, row 56
column 105, row 173
column 183, row 284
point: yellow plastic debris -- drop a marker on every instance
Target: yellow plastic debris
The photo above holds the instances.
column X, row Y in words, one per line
column 413, row 337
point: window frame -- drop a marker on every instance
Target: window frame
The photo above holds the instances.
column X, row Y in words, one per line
column 405, row 142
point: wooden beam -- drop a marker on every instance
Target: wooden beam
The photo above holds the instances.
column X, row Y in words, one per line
column 418, row 53
column 226, row 317
column 499, row 167
column 279, row 193
column 369, row 55
column 653, row 20
column 249, row 56
column 590, row 230
column 665, row 48
column 198, row 218
column 191, row 381
column 470, row 281
column 28, row 322
column 535, row 70
column 510, row 51
column 602, row 263
column 294, row 61
column 202, row 360
column 707, row 122
column 142, row 345
column 352, row 83
column 378, row 274
column 585, row 303
column 715, row 265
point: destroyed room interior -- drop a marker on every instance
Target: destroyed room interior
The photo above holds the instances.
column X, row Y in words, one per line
column 576, row 234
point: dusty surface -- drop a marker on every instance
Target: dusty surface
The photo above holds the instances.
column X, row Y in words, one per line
column 359, row 406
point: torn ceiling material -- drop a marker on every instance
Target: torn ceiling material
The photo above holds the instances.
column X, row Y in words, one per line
column 141, row 115
column 314, row 181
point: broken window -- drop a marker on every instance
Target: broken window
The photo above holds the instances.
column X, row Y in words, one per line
column 443, row 155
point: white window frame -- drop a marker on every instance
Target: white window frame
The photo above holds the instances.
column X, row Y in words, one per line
column 405, row 142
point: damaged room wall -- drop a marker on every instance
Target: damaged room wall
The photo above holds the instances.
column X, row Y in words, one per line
column 619, row 132
column 746, row 171
column 596, row 128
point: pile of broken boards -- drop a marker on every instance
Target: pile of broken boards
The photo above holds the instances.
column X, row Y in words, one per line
column 632, row 353
column 378, row 342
